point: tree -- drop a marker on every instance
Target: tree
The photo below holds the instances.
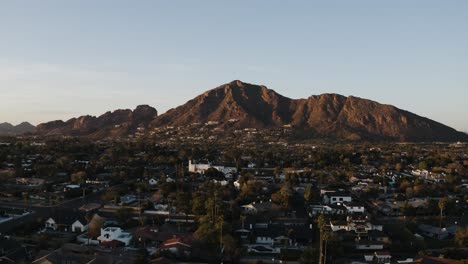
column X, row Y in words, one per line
column 80, row 177
column 326, row 237
column 229, row 246
column 399, row 167
column 422, row 165
column 283, row 196
column 461, row 236
column 110, row 195
column 95, row 225
column 321, row 224
column 183, row 203
column 442, row 204
column 198, row 205
column 308, row 195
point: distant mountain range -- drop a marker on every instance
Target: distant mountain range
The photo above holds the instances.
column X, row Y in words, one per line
column 9, row 129
column 241, row 105
column 111, row 124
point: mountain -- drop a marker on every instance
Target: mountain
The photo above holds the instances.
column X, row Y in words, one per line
column 111, row 124
column 9, row 129
column 240, row 105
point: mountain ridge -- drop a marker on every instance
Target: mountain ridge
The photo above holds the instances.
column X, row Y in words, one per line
column 117, row 123
column 242, row 105
column 9, row 129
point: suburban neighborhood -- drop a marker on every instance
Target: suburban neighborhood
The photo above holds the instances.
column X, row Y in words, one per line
column 163, row 197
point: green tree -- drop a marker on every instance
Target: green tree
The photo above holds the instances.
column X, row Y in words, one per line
column 183, row 203
column 80, row 177
column 198, row 205
column 422, row 165
column 308, row 195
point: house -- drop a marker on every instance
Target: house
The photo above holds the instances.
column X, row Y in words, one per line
column 237, row 184
column 153, row 182
column 435, row 232
column 336, row 197
column 70, row 221
column 110, row 234
column 360, row 225
column 281, row 234
column 256, row 208
column 270, row 235
column 31, row 182
column 378, row 257
column 369, row 245
column 332, row 209
column 145, row 235
column 51, row 224
column 201, row 168
column 180, row 246
column 353, row 207
column 128, row 199
column 79, row 226
column 382, row 257
column 90, row 207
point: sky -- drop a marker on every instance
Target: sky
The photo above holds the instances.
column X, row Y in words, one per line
column 61, row 59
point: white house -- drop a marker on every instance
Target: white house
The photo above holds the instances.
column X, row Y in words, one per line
column 352, row 207
column 336, row 197
column 333, row 209
column 51, row 224
column 201, row 168
column 67, row 222
column 153, row 181
column 109, row 234
column 359, row 225
column 237, row 185
column 79, row 227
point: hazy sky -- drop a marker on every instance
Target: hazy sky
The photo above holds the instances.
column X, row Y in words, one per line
column 60, row 59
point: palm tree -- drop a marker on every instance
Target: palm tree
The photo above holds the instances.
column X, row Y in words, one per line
column 326, row 238
column 442, row 204
column 321, row 225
